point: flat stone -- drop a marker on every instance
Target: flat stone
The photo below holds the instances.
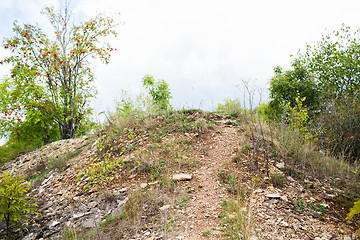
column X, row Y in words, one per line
column 30, row 236
column 273, row 196
column 284, row 224
column 182, row 177
column 90, row 223
column 124, row 189
column 54, row 223
column 280, row 165
column 165, row 207
column 78, row 215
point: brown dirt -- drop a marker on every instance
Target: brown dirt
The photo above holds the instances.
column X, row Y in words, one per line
column 272, row 218
column 204, row 208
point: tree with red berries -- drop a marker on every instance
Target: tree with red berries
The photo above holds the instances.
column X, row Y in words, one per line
column 51, row 81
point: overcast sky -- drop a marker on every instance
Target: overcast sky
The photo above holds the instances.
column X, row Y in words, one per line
column 202, row 48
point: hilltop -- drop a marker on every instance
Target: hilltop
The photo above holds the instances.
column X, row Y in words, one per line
column 182, row 175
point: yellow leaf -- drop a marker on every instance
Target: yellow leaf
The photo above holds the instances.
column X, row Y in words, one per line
column 354, row 210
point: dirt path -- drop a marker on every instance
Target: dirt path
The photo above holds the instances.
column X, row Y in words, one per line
column 204, row 208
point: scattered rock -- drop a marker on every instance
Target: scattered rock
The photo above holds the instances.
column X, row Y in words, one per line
column 30, row 236
column 54, row 223
column 284, row 224
column 90, row 223
column 182, row 177
column 165, row 207
column 273, row 196
column 280, row 165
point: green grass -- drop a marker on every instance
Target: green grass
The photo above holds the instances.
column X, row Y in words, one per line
column 9, row 151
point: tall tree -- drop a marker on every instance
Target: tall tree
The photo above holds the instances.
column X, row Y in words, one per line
column 287, row 85
column 334, row 63
column 51, row 74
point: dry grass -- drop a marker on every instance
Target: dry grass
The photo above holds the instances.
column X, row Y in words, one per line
column 237, row 219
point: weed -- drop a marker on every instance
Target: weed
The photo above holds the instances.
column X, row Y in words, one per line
column 204, row 151
column 156, row 169
column 247, row 147
column 233, row 123
column 60, row 162
column 230, row 180
column 182, row 202
column 184, row 141
column 317, row 207
column 200, row 125
column 169, row 223
column 206, row 233
column 298, row 204
column 231, row 107
column 236, row 219
column 277, row 179
column 108, row 219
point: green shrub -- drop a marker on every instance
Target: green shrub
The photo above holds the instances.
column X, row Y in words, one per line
column 13, row 204
column 231, row 107
column 159, row 91
column 277, row 180
column 354, row 210
column 338, row 127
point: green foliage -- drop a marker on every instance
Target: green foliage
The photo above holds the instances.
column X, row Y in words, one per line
column 334, row 63
column 50, row 81
column 11, row 149
column 231, row 107
column 338, row 127
column 98, row 173
column 299, row 204
column 182, row 202
column 236, row 219
column 288, row 85
column 156, row 169
column 327, row 75
column 13, row 204
column 230, row 180
column 126, row 107
column 206, row 233
column 298, row 119
column 265, row 112
column 159, row 91
column 277, row 179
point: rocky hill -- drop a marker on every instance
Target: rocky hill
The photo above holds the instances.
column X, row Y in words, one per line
column 188, row 175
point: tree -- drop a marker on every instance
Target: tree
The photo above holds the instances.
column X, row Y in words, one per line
column 13, row 204
column 328, row 75
column 51, row 76
column 334, row 63
column 35, row 129
column 288, row 85
column 159, row 91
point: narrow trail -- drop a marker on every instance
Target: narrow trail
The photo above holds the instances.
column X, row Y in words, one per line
column 205, row 206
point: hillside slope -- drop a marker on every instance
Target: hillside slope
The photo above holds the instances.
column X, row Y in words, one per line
column 135, row 195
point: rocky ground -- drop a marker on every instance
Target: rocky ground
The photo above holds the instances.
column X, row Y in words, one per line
column 292, row 209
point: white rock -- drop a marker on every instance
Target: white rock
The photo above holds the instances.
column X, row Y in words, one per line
column 165, row 207
column 124, row 189
column 54, row 223
column 182, row 177
column 280, row 165
column 284, row 224
column 273, row 196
